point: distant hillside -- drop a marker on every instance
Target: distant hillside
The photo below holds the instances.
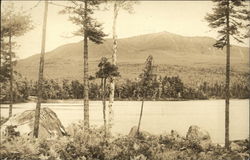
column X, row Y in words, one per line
column 170, row 51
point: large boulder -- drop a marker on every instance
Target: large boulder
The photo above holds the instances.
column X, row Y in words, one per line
column 235, row 147
column 23, row 123
column 133, row 133
column 199, row 138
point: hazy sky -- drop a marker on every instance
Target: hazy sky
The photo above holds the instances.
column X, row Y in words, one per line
column 179, row 17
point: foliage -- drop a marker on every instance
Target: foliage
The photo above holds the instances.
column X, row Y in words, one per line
column 10, row 131
column 77, row 15
column 5, row 67
column 14, row 22
column 89, row 145
column 20, row 148
column 106, row 69
column 172, row 88
column 229, row 17
column 147, row 80
column 21, row 90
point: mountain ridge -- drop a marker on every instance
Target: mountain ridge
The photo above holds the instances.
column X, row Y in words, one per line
column 66, row 61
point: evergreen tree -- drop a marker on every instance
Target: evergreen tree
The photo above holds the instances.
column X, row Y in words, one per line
column 13, row 24
column 147, row 84
column 230, row 18
column 106, row 71
column 81, row 14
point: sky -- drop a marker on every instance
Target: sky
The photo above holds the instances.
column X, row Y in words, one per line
column 180, row 17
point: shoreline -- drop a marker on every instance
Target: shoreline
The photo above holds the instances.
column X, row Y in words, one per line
column 119, row 100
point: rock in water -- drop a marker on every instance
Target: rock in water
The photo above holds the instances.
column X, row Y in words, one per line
column 199, row 137
column 50, row 126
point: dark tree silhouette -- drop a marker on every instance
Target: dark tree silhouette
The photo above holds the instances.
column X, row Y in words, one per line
column 106, row 71
column 147, row 84
column 229, row 17
column 13, row 24
column 81, row 14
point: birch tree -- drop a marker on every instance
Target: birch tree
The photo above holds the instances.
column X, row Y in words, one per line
column 117, row 5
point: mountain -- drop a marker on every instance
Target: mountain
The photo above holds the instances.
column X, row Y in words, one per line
column 169, row 51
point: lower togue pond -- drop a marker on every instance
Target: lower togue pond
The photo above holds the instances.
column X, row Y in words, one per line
column 158, row 117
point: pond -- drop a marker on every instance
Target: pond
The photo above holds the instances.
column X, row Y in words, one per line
column 158, row 116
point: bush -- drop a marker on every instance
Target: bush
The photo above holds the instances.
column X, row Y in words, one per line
column 19, row 148
column 91, row 145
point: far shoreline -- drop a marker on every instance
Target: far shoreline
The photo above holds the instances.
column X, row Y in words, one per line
column 119, row 100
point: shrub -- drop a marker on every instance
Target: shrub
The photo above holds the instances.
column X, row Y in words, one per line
column 90, row 145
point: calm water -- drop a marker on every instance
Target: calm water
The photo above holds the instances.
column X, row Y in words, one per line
column 158, row 117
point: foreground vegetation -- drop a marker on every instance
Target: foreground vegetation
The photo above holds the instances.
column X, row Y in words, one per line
column 91, row 145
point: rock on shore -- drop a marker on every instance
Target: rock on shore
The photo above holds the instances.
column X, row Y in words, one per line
column 199, row 137
column 23, row 123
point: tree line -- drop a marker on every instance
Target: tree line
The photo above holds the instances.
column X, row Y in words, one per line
column 163, row 88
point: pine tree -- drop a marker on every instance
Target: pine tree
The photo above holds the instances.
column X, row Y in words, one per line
column 107, row 71
column 230, row 18
column 146, row 84
column 81, row 14
column 13, row 24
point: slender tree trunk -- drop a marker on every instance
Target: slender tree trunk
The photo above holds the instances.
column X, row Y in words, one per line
column 86, row 76
column 1, row 68
column 11, row 76
column 139, row 124
column 227, row 90
column 114, row 60
column 160, row 89
column 104, row 104
column 40, row 75
column 1, row 49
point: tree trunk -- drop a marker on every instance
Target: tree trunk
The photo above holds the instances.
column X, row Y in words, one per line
column 1, row 65
column 160, row 89
column 86, row 76
column 227, row 90
column 11, row 76
column 114, row 59
column 139, row 124
column 40, row 75
column 104, row 104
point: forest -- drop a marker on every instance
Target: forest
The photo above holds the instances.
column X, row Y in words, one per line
column 164, row 88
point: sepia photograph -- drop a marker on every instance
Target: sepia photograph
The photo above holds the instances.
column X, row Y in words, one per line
column 125, row 80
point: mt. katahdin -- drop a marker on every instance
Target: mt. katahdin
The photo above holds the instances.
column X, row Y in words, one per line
column 66, row 61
